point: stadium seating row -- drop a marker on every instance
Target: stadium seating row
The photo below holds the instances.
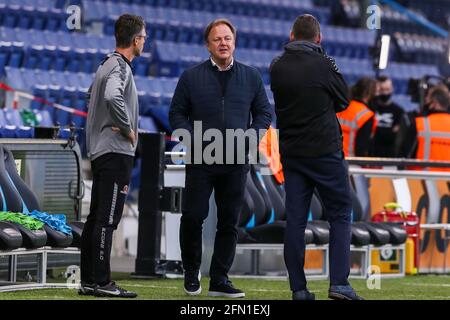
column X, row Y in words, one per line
column 186, row 19
column 59, row 51
column 69, row 89
column 420, row 49
column 32, row 17
column 170, row 59
column 12, row 124
column 263, row 218
column 278, row 9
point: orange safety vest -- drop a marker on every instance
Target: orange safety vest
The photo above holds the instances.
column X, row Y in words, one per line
column 269, row 147
column 352, row 119
column 433, row 137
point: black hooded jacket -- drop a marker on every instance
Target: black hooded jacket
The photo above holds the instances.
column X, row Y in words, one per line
column 308, row 90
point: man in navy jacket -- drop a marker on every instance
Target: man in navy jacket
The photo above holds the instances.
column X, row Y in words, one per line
column 220, row 94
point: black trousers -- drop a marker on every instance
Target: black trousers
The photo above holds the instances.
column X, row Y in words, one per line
column 111, row 177
column 329, row 174
column 228, row 182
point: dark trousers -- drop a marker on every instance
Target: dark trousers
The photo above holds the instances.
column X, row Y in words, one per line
column 111, row 177
column 329, row 174
column 228, row 182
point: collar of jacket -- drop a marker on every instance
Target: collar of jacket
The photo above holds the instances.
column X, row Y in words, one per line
column 124, row 58
column 302, row 45
column 215, row 68
column 215, row 65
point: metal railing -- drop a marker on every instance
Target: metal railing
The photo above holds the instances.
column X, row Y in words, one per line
column 374, row 162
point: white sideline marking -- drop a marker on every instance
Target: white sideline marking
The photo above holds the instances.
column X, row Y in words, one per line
column 427, row 285
column 164, row 287
column 147, row 286
column 281, row 290
column 177, row 288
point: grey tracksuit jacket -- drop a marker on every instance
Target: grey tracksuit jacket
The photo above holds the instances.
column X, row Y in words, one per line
column 112, row 102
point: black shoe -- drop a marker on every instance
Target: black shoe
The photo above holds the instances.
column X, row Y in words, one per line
column 225, row 289
column 114, row 291
column 303, row 295
column 343, row 293
column 192, row 285
column 86, row 289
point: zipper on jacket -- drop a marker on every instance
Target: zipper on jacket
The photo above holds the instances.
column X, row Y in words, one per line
column 224, row 90
column 223, row 111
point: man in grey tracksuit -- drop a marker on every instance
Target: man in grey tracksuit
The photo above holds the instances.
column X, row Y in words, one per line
column 111, row 132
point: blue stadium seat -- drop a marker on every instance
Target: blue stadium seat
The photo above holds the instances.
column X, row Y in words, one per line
column 25, row 132
column 3, row 121
column 168, row 88
column 9, row 17
column 14, row 127
column 141, row 64
column 38, row 22
column 16, row 55
column 44, row 118
column 148, row 124
column 144, row 103
column 160, row 115
column 15, row 78
column 24, row 21
column 63, row 117
column 13, row 117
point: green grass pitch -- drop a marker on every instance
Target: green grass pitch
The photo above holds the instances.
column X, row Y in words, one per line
column 420, row 287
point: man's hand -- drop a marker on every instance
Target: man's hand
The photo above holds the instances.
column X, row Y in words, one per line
column 131, row 136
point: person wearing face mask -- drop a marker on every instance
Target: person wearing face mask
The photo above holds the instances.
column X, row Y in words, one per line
column 427, row 137
column 358, row 121
column 388, row 115
column 222, row 94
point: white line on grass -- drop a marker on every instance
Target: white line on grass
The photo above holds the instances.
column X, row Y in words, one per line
column 427, row 284
column 148, row 286
column 177, row 288
column 276, row 290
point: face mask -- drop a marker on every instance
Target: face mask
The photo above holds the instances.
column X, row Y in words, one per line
column 384, row 98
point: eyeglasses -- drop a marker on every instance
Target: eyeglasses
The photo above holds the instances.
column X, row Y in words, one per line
column 142, row 36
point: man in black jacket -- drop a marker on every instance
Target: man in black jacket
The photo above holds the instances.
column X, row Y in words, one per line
column 218, row 94
column 308, row 91
column 388, row 115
